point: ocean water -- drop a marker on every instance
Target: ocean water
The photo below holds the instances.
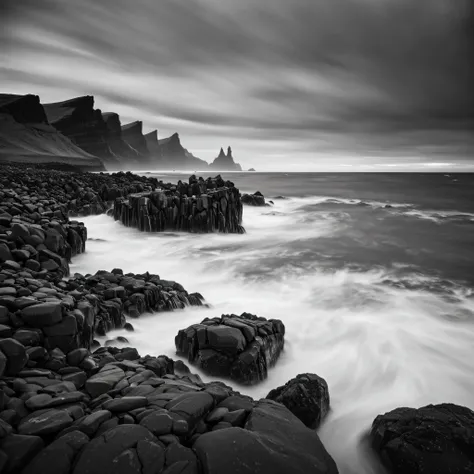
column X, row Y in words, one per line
column 372, row 275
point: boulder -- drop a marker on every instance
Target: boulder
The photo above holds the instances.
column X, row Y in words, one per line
column 20, row 449
column 306, row 396
column 240, row 347
column 45, row 422
column 104, row 380
column 124, row 449
column 43, row 314
column 15, row 353
column 273, row 441
column 58, row 457
column 433, row 439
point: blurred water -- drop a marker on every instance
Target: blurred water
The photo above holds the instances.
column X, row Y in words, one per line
column 377, row 300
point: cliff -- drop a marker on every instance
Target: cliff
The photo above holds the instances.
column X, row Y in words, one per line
column 121, row 150
column 170, row 154
column 79, row 121
column 27, row 136
column 132, row 135
column 225, row 162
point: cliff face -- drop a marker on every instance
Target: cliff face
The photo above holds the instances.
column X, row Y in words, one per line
column 225, row 162
column 132, row 135
column 168, row 153
column 26, row 136
column 78, row 120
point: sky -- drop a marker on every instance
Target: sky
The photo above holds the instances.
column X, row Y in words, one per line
column 291, row 85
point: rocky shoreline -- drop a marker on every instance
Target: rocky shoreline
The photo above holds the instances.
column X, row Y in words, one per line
column 69, row 405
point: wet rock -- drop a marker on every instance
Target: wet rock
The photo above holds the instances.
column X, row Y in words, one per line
column 45, row 422
column 240, row 347
column 432, row 439
column 59, row 456
column 125, row 404
column 15, row 354
column 43, row 314
column 306, row 396
column 117, row 450
column 19, row 450
column 104, row 380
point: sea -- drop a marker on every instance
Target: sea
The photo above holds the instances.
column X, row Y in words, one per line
column 371, row 273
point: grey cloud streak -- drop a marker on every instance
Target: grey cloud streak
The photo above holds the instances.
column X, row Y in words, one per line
column 388, row 73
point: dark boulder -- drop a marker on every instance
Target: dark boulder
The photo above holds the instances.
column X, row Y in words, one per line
column 306, row 396
column 274, row 441
column 434, row 439
column 119, row 450
column 20, row 449
column 240, row 347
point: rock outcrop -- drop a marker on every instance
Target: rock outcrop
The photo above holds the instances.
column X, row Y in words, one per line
column 256, row 199
column 239, row 347
column 306, row 396
column 432, row 439
column 225, row 162
column 200, row 206
column 27, row 136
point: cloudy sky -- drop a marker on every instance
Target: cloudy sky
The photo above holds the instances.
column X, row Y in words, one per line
column 289, row 84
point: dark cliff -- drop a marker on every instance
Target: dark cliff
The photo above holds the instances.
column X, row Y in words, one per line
column 132, row 135
column 170, row 154
column 27, row 136
column 78, row 120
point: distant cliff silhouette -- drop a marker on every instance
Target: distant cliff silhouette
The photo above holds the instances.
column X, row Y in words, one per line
column 74, row 131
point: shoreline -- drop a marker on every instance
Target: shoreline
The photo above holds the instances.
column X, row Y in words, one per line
column 62, row 392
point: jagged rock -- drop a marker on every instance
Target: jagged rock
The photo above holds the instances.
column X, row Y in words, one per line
column 306, row 396
column 240, row 347
column 432, row 439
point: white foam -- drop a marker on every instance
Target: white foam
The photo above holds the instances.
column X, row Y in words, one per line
column 378, row 346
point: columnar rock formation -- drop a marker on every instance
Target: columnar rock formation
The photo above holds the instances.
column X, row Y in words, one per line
column 27, row 136
column 201, row 206
column 239, row 347
column 225, row 162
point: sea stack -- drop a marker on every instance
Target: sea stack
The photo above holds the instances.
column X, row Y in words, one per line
column 225, row 162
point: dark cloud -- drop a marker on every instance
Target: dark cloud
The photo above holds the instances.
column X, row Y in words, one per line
column 315, row 74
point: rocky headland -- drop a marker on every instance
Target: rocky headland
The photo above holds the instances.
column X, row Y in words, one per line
column 70, row 405
column 26, row 136
column 74, row 132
